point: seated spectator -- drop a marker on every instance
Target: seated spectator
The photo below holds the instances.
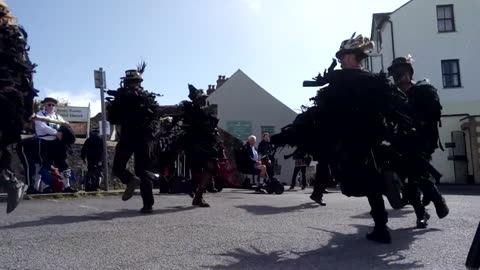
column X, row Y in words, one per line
column 255, row 160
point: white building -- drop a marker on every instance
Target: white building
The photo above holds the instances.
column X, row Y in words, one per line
column 245, row 108
column 443, row 39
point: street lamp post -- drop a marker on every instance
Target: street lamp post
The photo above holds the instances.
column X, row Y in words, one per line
column 100, row 83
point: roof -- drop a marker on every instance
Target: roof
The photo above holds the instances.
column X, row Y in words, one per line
column 378, row 19
column 402, row 6
column 238, row 73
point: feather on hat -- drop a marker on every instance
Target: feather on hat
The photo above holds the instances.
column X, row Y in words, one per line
column 135, row 74
column 402, row 61
column 6, row 16
column 359, row 44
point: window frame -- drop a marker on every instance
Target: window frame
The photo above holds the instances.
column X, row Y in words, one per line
column 458, row 73
column 444, row 20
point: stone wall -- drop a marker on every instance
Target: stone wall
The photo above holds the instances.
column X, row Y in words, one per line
column 76, row 164
column 231, row 145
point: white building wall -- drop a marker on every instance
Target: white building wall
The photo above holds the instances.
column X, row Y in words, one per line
column 440, row 158
column 415, row 33
column 241, row 99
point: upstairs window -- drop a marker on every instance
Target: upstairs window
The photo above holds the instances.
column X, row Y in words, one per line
column 451, row 73
column 445, row 19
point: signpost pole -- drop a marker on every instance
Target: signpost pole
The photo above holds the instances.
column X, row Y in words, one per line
column 100, row 82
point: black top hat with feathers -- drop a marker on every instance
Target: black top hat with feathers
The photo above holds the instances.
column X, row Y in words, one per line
column 195, row 93
column 135, row 74
column 406, row 62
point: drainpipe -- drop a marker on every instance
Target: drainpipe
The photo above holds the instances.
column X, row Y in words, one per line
column 393, row 37
column 381, row 57
column 379, row 33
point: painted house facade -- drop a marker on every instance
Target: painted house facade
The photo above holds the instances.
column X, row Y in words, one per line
column 442, row 37
column 245, row 108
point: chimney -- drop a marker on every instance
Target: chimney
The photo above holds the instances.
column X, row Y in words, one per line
column 221, row 80
column 211, row 89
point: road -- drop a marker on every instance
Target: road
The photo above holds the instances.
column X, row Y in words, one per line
column 241, row 230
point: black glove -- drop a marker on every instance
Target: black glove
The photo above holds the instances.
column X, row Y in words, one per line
column 322, row 80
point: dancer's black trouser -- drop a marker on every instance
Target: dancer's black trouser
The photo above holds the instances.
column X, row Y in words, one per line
column 134, row 144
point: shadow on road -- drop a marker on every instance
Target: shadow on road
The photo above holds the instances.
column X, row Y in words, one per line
column 452, row 189
column 263, row 210
column 233, row 198
column 102, row 216
column 343, row 251
column 391, row 214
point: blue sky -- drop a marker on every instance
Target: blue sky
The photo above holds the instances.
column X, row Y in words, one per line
column 278, row 43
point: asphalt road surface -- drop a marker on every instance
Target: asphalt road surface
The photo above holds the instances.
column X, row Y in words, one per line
column 241, row 230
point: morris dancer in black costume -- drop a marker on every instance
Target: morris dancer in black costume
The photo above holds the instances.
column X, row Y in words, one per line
column 348, row 126
column 322, row 179
column 200, row 141
column 426, row 110
column 135, row 111
column 362, row 100
column 16, row 99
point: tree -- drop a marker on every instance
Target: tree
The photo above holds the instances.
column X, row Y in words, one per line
column 36, row 105
column 62, row 102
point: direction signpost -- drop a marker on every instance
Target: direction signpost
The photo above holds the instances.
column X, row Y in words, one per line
column 101, row 83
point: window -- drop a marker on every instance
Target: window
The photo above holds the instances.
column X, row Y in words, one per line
column 366, row 63
column 268, row 129
column 445, row 19
column 451, row 73
column 240, row 129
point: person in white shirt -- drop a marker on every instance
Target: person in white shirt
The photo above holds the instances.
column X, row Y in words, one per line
column 52, row 152
column 255, row 159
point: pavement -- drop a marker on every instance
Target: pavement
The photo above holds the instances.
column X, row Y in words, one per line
column 241, row 230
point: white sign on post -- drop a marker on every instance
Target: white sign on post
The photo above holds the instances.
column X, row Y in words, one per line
column 99, row 76
column 100, row 124
column 74, row 114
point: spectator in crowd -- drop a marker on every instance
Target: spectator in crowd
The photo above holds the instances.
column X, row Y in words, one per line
column 29, row 148
column 52, row 150
column 222, row 159
column 265, row 149
column 92, row 150
column 92, row 153
column 255, row 161
column 300, row 166
column 265, row 146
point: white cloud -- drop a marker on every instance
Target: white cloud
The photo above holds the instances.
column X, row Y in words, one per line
column 253, row 5
column 80, row 98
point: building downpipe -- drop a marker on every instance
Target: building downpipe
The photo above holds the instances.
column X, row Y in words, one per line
column 393, row 37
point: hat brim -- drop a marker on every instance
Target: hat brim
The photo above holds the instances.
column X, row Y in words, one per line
column 132, row 79
column 52, row 100
column 407, row 65
column 343, row 52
